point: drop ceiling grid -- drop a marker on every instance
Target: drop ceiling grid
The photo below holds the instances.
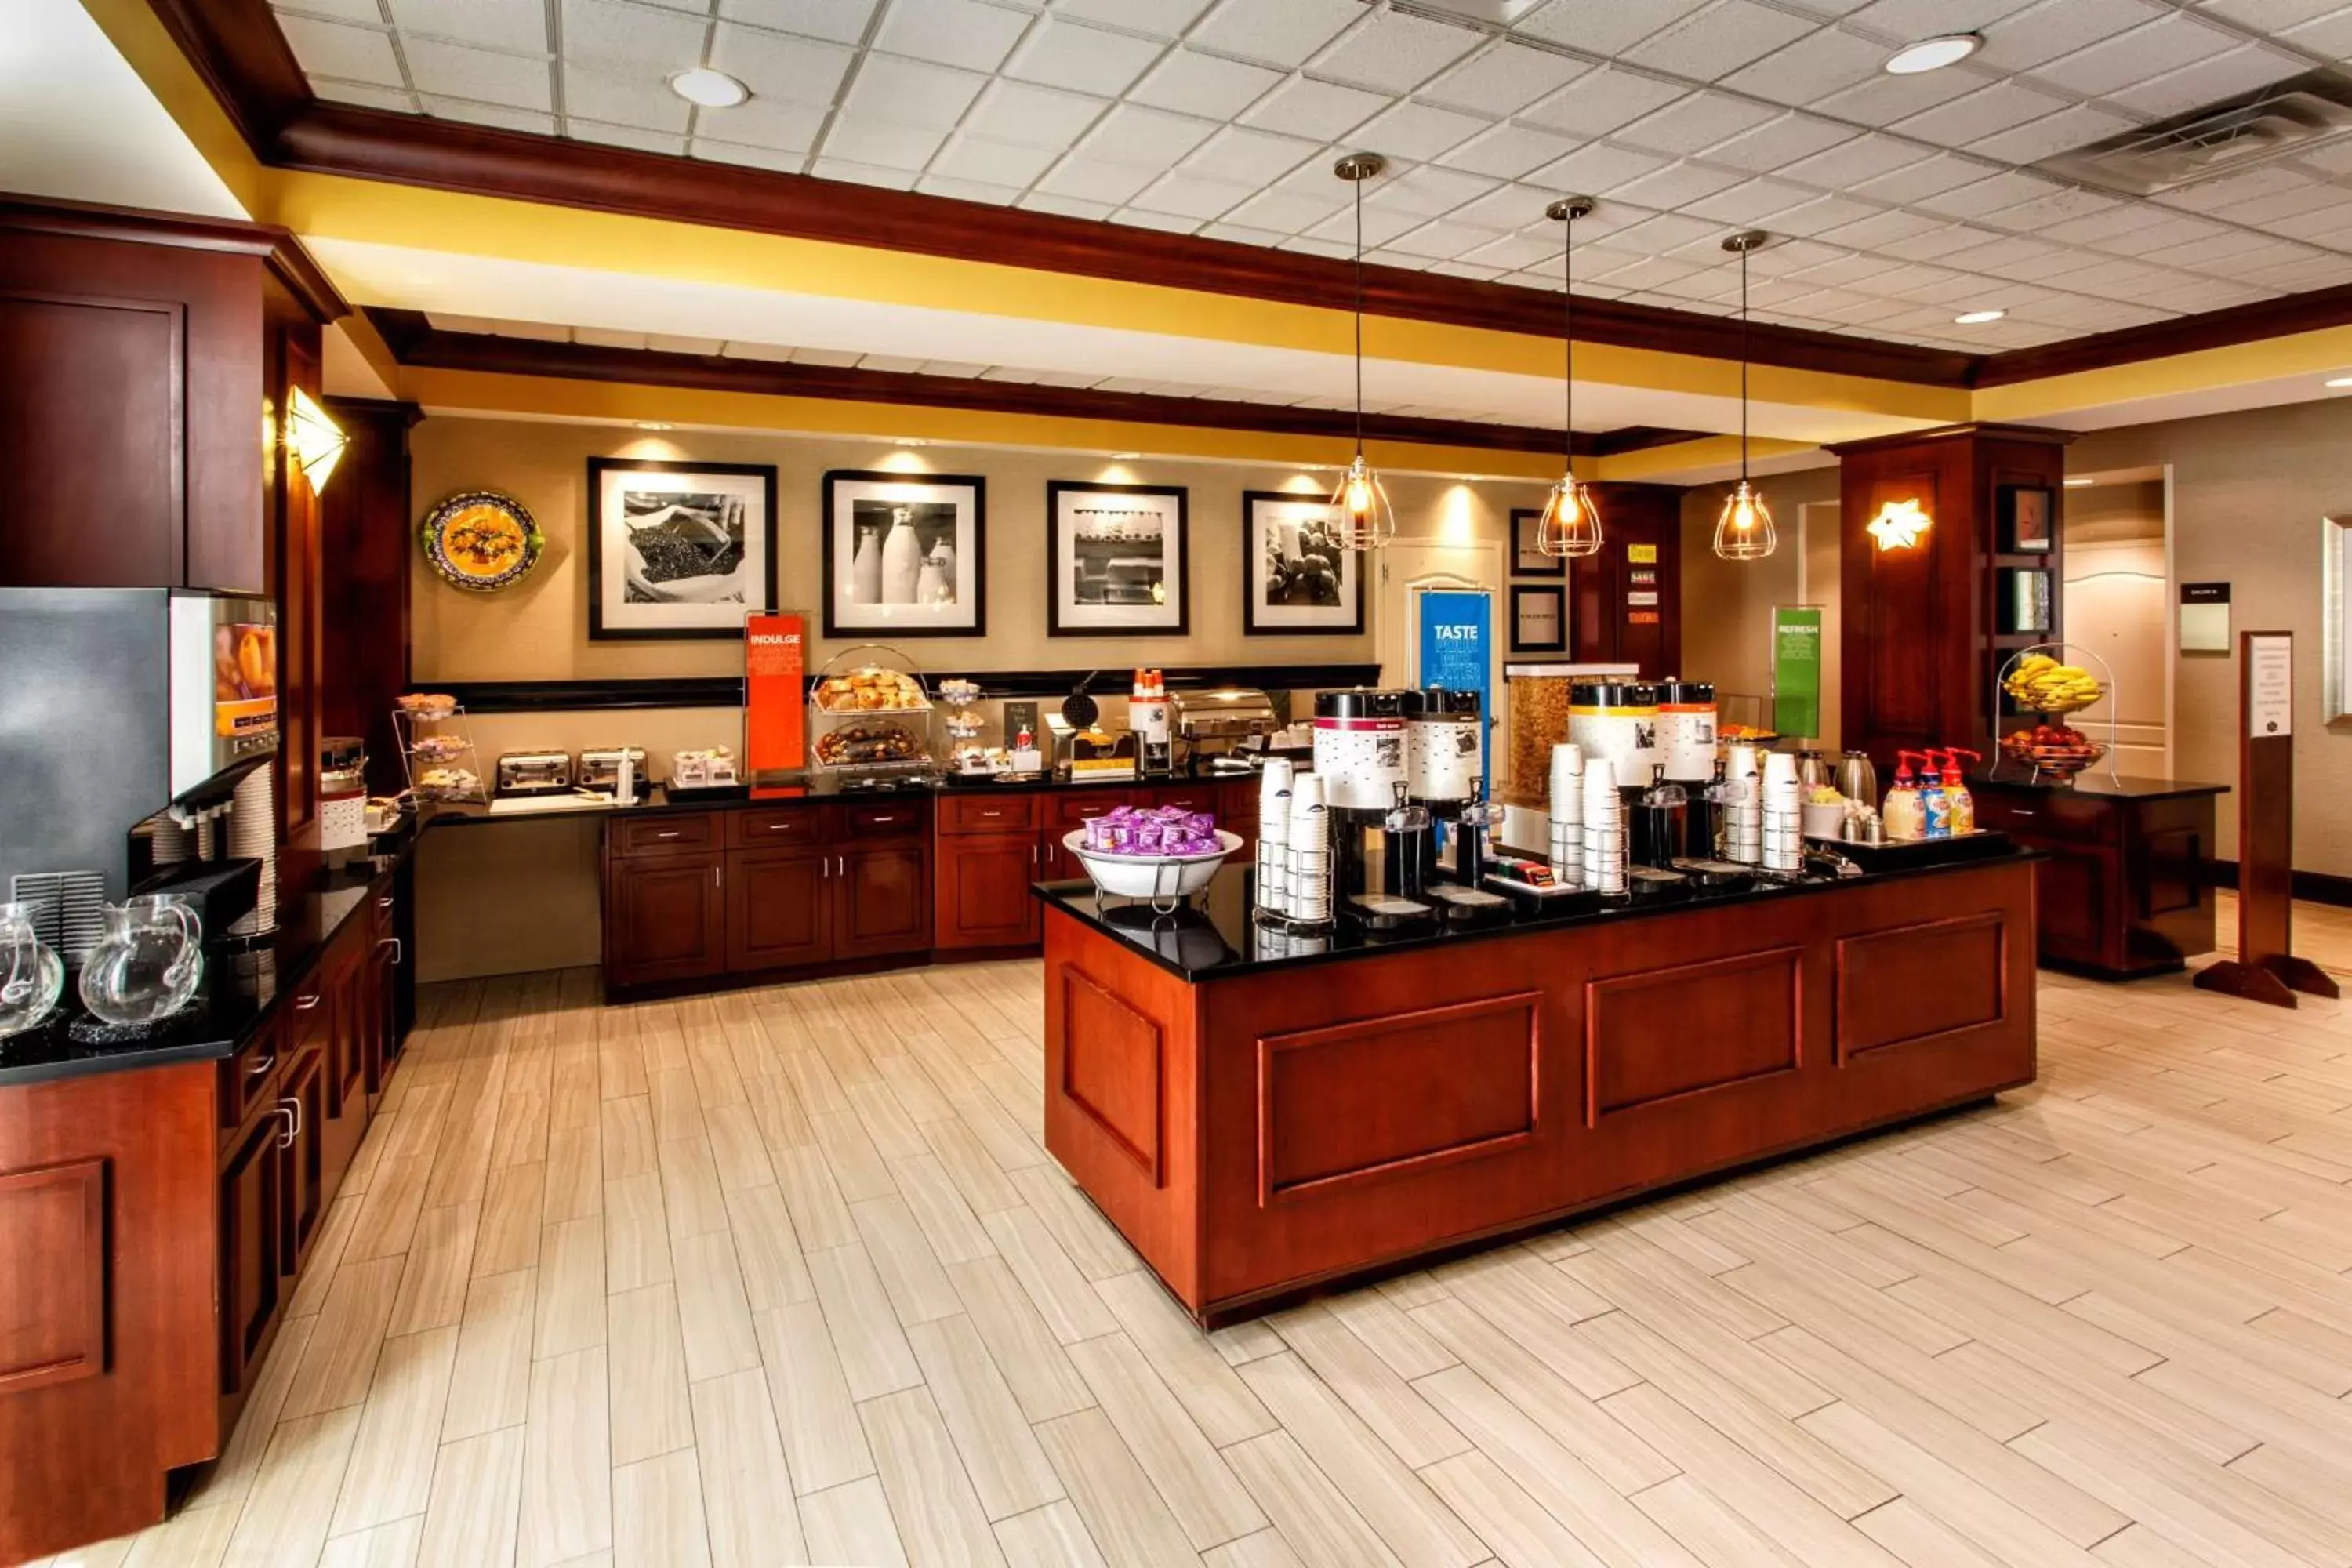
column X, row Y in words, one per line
column 1899, row 201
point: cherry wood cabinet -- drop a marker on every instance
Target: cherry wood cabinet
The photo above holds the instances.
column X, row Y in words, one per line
column 779, row 908
column 983, row 890
column 2125, row 887
column 302, row 1101
column 882, row 901
column 252, row 1283
column 665, row 919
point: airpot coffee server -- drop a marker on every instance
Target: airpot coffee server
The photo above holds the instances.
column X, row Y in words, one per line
column 1394, row 764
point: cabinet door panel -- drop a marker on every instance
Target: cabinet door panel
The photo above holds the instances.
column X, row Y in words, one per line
column 882, row 901
column 250, row 1277
column 983, row 890
column 777, row 908
column 663, row 919
column 344, row 1121
column 2071, row 902
column 303, row 1179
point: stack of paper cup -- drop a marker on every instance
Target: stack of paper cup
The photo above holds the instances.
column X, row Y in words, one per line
column 1783, row 813
column 1568, row 813
column 253, row 835
column 1604, row 828
column 1311, row 853
column 1743, row 813
column 1273, row 836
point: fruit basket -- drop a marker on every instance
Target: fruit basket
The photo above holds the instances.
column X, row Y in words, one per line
column 2038, row 679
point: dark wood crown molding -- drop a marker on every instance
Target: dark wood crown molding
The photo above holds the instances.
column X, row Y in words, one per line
column 2038, row 435
column 2307, row 312
column 414, row 341
column 90, row 220
column 237, row 46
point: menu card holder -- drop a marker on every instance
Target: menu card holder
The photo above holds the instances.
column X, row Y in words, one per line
column 2266, row 969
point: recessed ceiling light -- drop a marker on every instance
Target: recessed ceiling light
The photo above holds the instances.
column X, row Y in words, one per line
column 2344, row 381
column 1932, row 54
column 1977, row 318
column 1124, row 456
column 2078, row 484
column 716, row 90
column 909, row 441
column 653, row 425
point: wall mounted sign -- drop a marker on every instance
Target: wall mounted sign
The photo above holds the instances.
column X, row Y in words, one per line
column 1118, row 560
column 1641, row 597
column 679, row 550
column 2204, row 617
column 2270, row 684
column 905, row 556
column 1454, row 647
column 1640, row 617
column 1642, row 577
column 2028, row 520
column 1298, row 580
column 1642, row 554
column 1899, row 525
column 481, row 540
column 1796, row 669
column 1527, row 559
column 775, row 696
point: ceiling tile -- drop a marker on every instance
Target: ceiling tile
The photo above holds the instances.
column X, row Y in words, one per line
column 911, row 92
column 783, row 160
column 2272, row 15
column 2315, row 198
column 1916, row 182
column 1189, row 196
column 1676, row 186
column 366, row 95
column 1033, row 116
column 2038, row 213
column 1750, row 203
column 969, row 157
column 862, row 174
column 2113, row 223
column 454, row 70
column 1598, row 167
column 1666, row 231
column 1288, row 208
column 1986, row 195
column 1777, row 143
column 633, row 136
column 1600, row 101
column 1149, row 138
column 1161, row 18
column 1066, row 207
column 631, row 38
column 366, row 11
column 2208, row 81
column 865, row 139
column 798, row 70
column 1867, row 157
column 1196, row 83
column 1319, row 108
column 1513, row 252
column 350, row 54
column 1393, row 51
column 492, row 114
column 1882, row 99
column 1424, row 191
column 2076, row 126
column 1608, row 28
column 2147, row 51
column 764, row 122
column 1883, row 229
column 1504, row 77
column 1418, row 131
column 1720, row 39
column 1900, row 21
column 500, row 24
column 1442, row 240
column 1822, row 215
column 1695, row 123
column 950, row 32
column 2056, row 28
column 1508, row 151
column 644, row 101
column 1989, row 110
column 1256, row 158
column 1085, row 59
column 1812, row 68
column 2330, row 36
column 1094, row 180
column 841, row 21
column 1282, row 34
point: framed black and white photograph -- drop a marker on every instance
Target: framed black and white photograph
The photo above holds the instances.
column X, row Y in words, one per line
column 1539, row 618
column 1298, row 580
column 2026, row 602
column 679, row 550
column 1117, row 559
column 905, row 554
column 2027, row 520
column 1527, row 559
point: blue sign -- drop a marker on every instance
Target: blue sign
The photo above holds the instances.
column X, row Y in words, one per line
column 1457, row 652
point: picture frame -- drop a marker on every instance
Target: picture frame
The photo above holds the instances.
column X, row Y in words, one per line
column 1296, row 579
column 2028, row 519
column 1527, row 559
column 1539, row 617
column 1119, row 560
column 679, row 550
column 2027, row 601
column 904, row 556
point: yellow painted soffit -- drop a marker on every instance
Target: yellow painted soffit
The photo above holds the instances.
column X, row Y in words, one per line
column 549, row 396
column 2318, row 354
column 1683, row 457
column 130, row 26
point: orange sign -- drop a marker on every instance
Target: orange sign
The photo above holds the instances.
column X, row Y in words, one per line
column 1640, row 617
column 775, row 666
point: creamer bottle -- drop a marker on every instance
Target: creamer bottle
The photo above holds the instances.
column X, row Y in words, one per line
column 1902, row 812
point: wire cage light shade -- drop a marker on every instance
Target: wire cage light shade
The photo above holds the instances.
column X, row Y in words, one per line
column 1571, row 524
column 316, row 441
column 1744, row 532
column 1366, row 520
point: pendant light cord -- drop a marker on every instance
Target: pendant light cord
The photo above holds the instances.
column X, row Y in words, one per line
column 1360, row 318
column 1568, row 327
column 1743, row 364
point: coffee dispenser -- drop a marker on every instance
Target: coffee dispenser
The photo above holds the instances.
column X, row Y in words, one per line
column 1360, row 756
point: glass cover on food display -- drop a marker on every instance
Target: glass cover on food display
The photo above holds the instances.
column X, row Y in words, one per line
column 868, row 711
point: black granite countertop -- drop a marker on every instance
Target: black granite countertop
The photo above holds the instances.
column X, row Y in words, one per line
column 1213, row 937
column 2096, row 782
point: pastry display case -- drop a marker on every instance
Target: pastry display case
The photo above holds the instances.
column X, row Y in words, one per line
column 869, row 712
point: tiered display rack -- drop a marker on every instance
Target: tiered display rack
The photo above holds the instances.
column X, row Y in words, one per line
column 915, row 720
column 422, row 738
column 2039, row 769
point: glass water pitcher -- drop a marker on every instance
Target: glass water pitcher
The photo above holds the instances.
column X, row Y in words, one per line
column 149, row 961
column 31, row 973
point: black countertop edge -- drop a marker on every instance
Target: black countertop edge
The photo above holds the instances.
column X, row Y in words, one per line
column 996, row 685
column 1220, row 930
column 2097, row 784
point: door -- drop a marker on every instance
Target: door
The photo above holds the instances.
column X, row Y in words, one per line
column 2117, row 606
column 779, row 911
column 250, row 1277
column 1410, row 565
column 985, row 898
column 302, row 1189
column 882, row 899
column 665, row 919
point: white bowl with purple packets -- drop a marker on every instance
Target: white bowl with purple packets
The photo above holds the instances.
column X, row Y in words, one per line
column 1145, row 852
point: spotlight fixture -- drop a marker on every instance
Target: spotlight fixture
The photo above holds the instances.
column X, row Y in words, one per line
column 2341, row 382
column 2080, row 484
column 1571, row 524
column 316, row 441
column 1977, row 318
column 1367, row 521
column 1744, row 532
column 1932, row 54
column 708, row 89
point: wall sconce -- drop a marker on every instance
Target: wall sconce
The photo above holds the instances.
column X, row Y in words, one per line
column 316, row 441
column 1899, row 525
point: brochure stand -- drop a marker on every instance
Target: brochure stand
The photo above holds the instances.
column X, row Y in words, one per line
column 2266, row 969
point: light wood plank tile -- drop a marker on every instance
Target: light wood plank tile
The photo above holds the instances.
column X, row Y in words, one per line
column 477, row 1506
column 567, row 1462
column 1266, row 1549
column 774, row 1272
column 1123, row 1512
column 287, row 1514
column 1521, row 1529
column 737, row 1148
column 391, row 1472
column 199, row 1538
column 711, row 1307
column 875, row 1356
column 232, row 1478
column 1189, row 1474
column 1310, row 1511
column 690, row 1189
column 825, row 1445
column 657, row 1518
column 575, row 1174
column 851, row 1523
column 1052, row 1536
column 1025, row 1349
column 627, row 1140
column 1060, row 1294
column 1715, row 1534
column 820, row 1215
column 1219, row 1403
column 570, row 1287
column 392, row 1545
column 512, row 1213
column 918, row 1286
column 747, row 1491
column 1009, row 1471
column 1574, row 1422
column 340, row 1360
column 953, row 1230
column 491, row 1385
column 650, row 1415
column 938, row 1515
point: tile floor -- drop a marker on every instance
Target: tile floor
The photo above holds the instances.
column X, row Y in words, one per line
column 784, row 1276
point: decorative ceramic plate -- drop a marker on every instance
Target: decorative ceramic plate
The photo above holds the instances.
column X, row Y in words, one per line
column 481, row 540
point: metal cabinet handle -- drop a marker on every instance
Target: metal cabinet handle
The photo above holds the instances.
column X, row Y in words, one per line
column 384, row 903
column 671, row 833
column 292, row 1110
column 782, row 826
column 719, row 875
column 261, row 1068
column 992, row 814
column 304, row 1003
column 399, row 952
column 877, row 821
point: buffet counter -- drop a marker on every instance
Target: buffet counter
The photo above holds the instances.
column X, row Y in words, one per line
column 1263, row 1117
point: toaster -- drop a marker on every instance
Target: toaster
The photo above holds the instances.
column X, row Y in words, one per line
column 600, row 768
column 534, row 772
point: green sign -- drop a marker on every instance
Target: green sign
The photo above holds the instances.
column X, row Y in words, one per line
column 1797, row 671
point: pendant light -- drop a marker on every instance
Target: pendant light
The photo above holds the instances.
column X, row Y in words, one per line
column 1744, row 532
column 1366, row 520
column 1571, row 524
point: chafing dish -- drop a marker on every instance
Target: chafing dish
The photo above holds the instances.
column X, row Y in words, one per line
column 1215, row 723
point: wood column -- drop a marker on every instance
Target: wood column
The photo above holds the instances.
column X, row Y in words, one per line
column 366, row 517
column 1601, row 630
column 1921, row 639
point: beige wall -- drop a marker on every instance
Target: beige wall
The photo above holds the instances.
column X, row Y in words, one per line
column 538, row 630
column 2249, row 491
column 1728, row 605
